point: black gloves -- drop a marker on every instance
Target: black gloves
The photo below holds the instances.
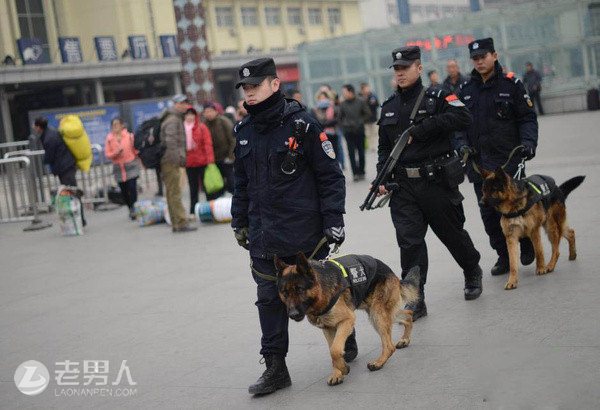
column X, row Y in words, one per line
column 241, row 236
column 466, row 150
column 335, row 235
column 527, row 152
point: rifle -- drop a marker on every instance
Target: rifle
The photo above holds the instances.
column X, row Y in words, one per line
column 384, row 174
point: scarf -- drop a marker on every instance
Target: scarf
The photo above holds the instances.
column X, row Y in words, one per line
column 267, row 115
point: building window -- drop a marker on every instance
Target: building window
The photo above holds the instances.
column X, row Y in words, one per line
column 315, row 17
column 273, row 16
column 335, row 17
column 32, row 22
column 294, row 16
column 249, row 16
column 224, row 16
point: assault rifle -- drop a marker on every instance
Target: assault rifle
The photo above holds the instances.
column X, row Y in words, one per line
column 384, row 174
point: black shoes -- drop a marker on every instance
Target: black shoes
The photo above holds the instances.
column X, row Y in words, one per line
column 419, row 310
column 501, row 267
column 351, row 348
column 473, row 286
column 274, row 378
column 527, row 252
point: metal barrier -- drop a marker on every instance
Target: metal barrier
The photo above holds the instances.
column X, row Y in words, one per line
column 18, row 192
column 13, row 146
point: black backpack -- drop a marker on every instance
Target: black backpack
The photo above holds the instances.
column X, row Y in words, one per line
column 147, row 142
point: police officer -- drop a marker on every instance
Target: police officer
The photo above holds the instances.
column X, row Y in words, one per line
column 503, row 119
column 289, row 194
column 426, row 196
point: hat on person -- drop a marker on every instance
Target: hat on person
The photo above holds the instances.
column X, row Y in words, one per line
column 209, row 104
column 405, row 56
column 255, row 71
column 481, row 47
column 179, row 98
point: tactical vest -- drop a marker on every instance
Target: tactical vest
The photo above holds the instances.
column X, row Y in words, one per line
column 540, row 188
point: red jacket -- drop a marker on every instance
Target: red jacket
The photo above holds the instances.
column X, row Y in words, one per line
column 202, row 152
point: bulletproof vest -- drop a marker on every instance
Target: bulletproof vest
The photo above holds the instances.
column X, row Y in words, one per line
column 361, row 273
column 540, row 188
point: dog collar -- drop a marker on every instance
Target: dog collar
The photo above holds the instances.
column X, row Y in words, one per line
column 337, row 294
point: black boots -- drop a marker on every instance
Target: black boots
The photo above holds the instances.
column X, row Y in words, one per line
column 527, row 252
column 274, row 378
column 501, row 267
column 473, row 286
column 419, row 310
column 351, row 348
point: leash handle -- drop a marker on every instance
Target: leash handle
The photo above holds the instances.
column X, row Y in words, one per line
column 520, row 168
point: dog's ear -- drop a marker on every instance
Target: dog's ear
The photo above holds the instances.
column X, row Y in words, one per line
column 302, row 263
column 485, row 173
column 280, row 265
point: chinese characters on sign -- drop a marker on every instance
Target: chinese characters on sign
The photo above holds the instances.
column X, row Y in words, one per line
column 70, row 49
column 443, row 42
column 105, row 48
column 138, row 47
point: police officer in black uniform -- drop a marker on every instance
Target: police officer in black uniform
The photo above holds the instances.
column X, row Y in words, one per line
column 503, row 119
column 289, row 194
column 426, row 197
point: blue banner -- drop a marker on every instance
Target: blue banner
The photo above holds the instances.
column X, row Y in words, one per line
column 138, row 47
column 96, row 119
column 169, row 46
column 70, row 49
column 32, row 51
column 106, row 48
column 136, row 112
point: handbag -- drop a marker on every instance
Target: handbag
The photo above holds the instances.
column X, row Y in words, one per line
column 212, row 181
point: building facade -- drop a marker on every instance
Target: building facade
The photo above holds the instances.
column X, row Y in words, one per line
column 560, row 37
column 96, row 52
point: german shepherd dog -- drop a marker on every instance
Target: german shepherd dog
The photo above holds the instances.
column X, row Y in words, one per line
column 308, row 288
column 511, row 198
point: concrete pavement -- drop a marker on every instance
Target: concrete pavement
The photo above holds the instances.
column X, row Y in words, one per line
column 179, row 309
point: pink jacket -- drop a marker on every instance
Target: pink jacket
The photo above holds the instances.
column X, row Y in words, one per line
column 120, row 152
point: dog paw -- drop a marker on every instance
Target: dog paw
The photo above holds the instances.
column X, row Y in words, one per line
column 335, row 379
column 541, row 271
column 373, row 366
column 510, row 285
column 402, row 343
column 346, row 370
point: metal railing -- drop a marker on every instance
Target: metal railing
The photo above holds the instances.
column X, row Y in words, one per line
column 18, row 200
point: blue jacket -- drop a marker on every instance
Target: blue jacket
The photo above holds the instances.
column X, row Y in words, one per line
column 57, row 154
column 503, row 118
column 285, row 213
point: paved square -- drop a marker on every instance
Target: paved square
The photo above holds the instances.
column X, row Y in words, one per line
column 179, row 309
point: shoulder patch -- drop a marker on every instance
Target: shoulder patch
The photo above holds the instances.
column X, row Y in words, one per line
column 510, row 74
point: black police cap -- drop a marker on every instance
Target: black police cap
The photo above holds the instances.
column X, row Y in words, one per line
column 255, row 71
column 405, row 56
column 481, row 47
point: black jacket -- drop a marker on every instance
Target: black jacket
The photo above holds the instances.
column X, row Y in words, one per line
column 57, row 154
column 503, row 118
column 439, row 114
column 284, row 213
column 454, row 88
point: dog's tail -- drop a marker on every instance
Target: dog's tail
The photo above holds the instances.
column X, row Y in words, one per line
column 410, row 286
column 568, row 186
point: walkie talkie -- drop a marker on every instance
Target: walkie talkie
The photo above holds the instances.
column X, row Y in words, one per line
column 288, row 166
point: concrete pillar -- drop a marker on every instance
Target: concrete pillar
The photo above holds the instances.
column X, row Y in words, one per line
column 5, row 113
column 99, row 91
column 177, row 84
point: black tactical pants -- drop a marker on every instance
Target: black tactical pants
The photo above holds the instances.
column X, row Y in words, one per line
column 419, row 204
column 272, row 313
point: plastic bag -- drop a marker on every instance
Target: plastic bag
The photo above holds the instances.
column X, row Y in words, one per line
column 213, row 181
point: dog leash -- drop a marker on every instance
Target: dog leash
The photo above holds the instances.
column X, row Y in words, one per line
column 322, row 242
column 520, row 167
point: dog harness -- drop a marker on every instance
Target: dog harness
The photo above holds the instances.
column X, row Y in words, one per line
column 539, row 188
column 360, row 273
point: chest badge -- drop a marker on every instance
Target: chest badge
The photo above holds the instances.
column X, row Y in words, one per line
column 327, row 146
column 389, row 114
column 467, row 97
column 244, row 142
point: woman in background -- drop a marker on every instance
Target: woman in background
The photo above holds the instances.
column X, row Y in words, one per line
column 199, row 153
column 119, row 149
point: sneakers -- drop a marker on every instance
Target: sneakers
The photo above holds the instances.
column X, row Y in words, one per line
column 274, row 378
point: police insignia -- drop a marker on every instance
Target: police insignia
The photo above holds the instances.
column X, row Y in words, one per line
column 454, row 101
column 529, row 103
column 327, row 146
column 246, row 72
